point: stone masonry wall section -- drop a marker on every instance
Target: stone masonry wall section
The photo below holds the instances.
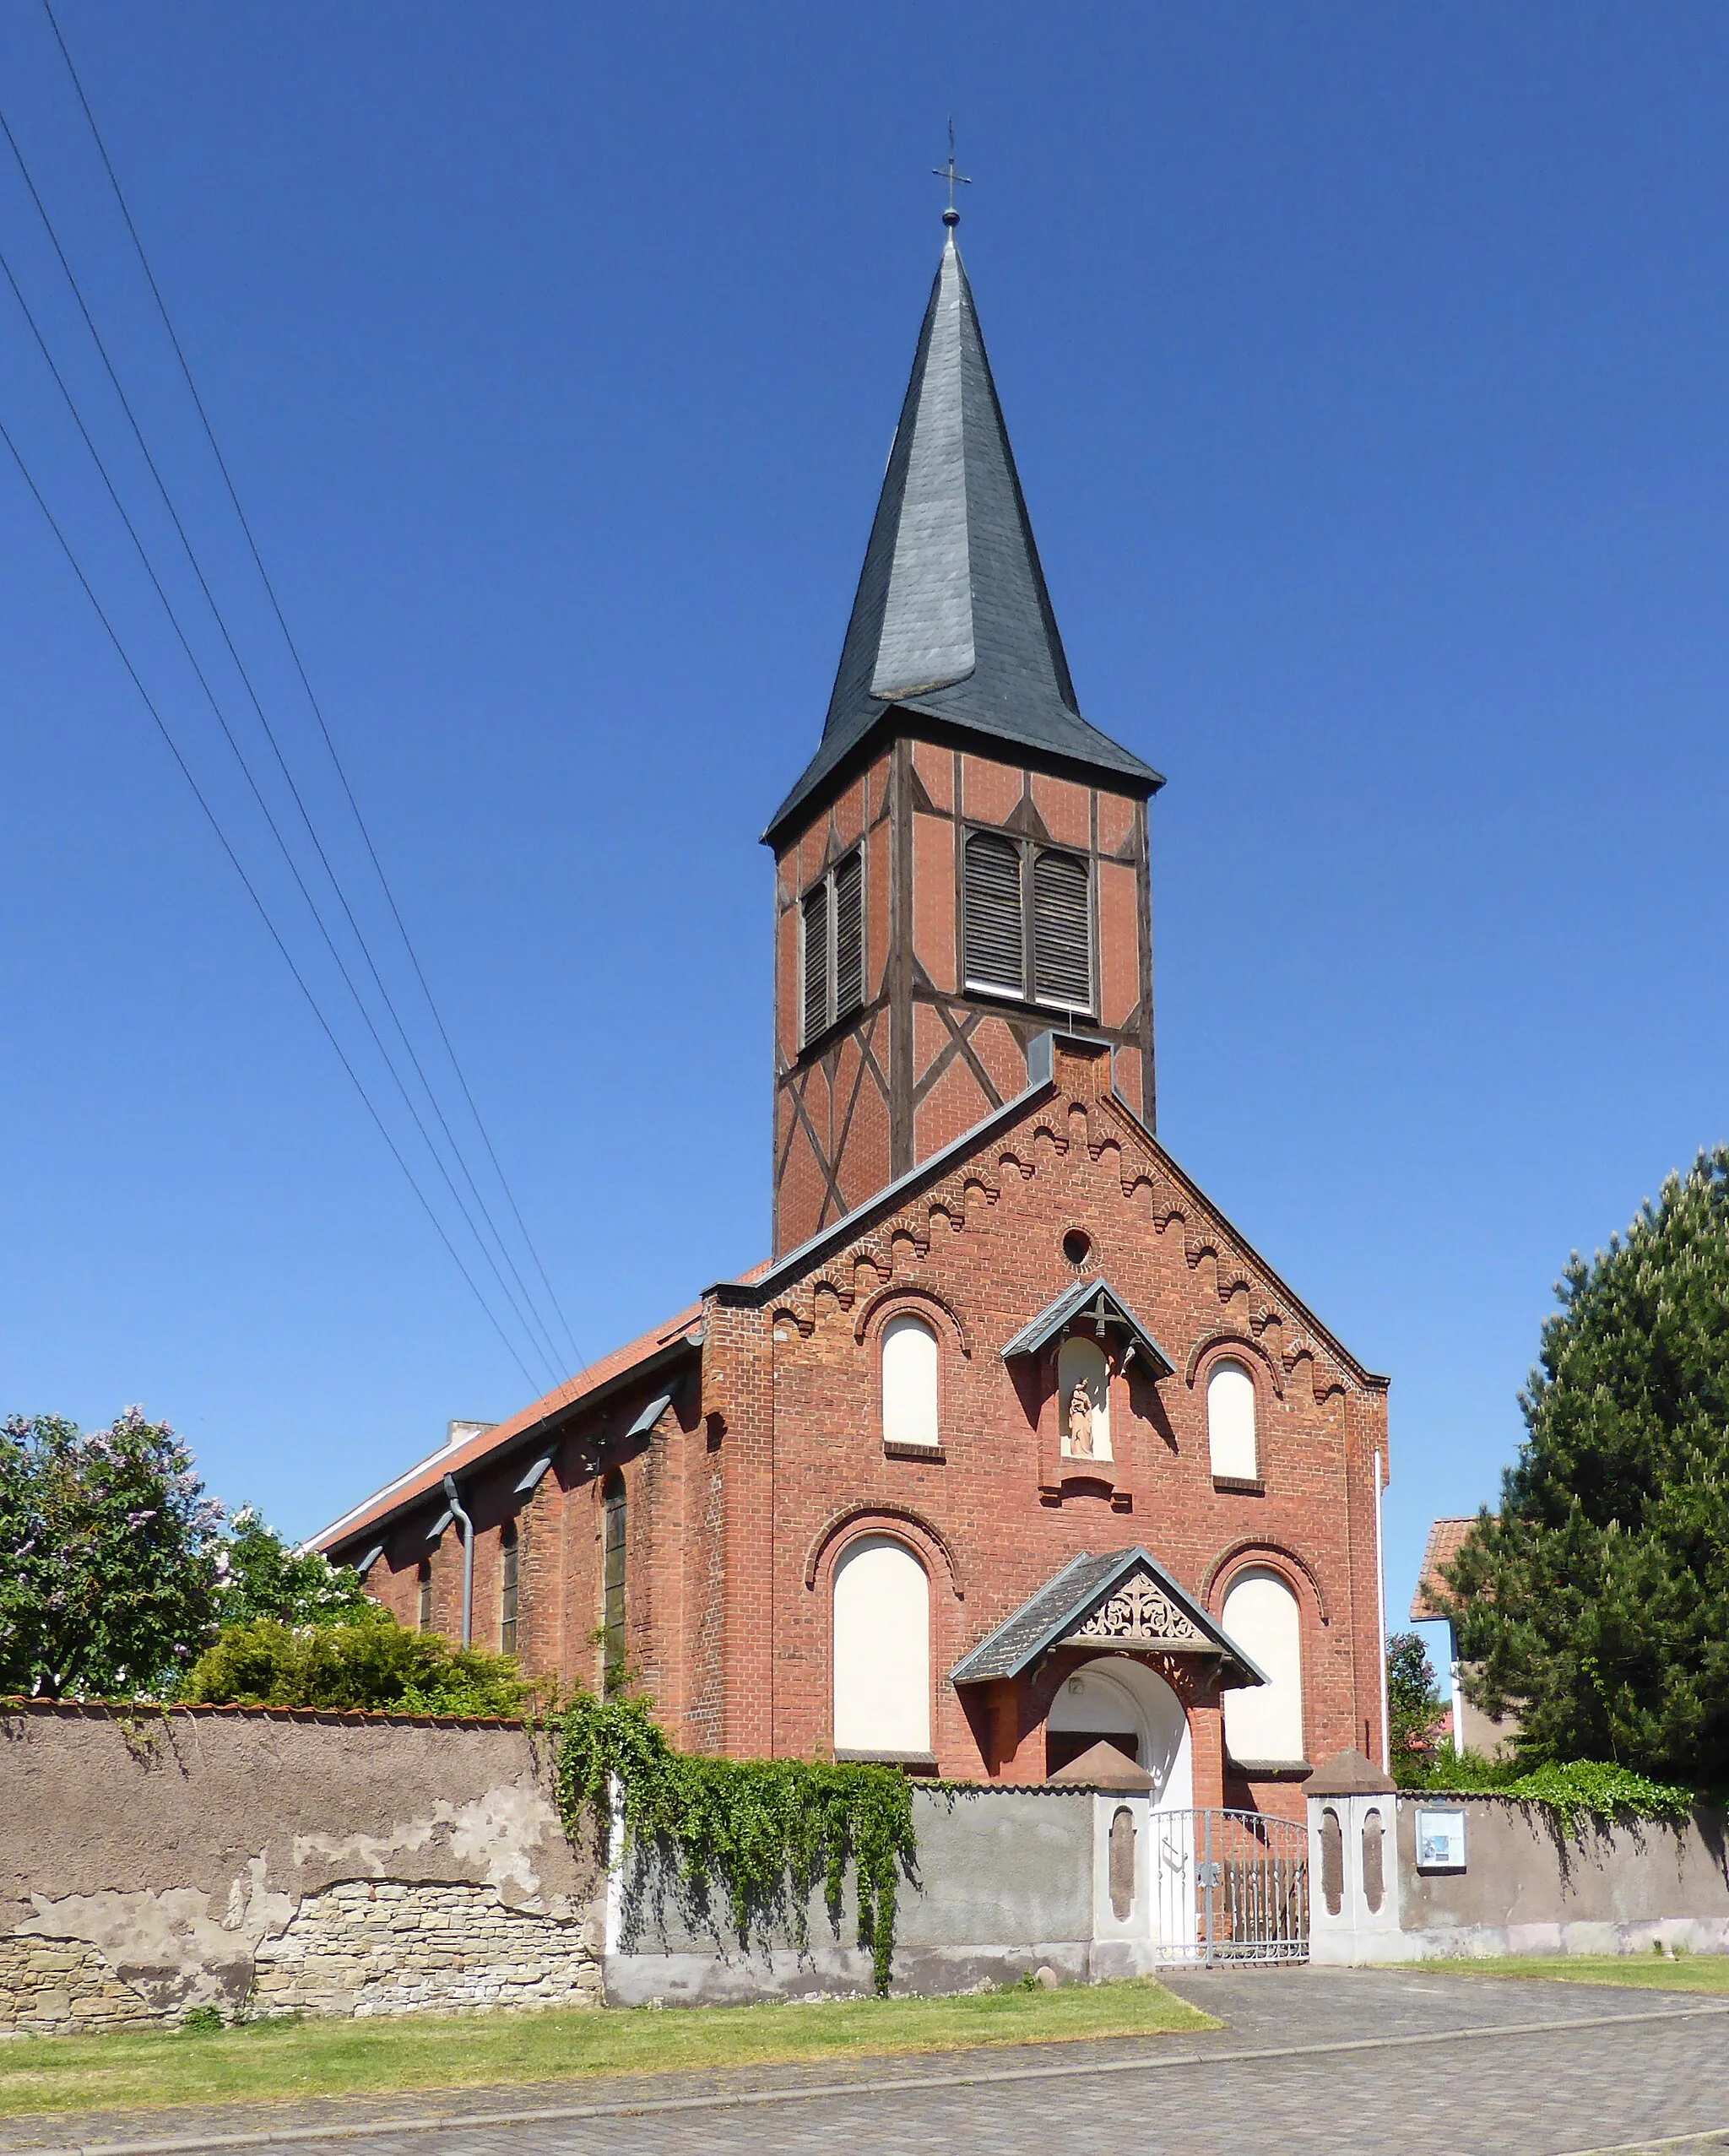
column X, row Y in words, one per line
column 377, row 1946
column 264, row 1860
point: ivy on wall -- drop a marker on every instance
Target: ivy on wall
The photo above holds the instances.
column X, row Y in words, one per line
column 758, row 1835
column 1572, row 1791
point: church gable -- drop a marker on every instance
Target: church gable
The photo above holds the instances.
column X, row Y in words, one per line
column 1066, row 1124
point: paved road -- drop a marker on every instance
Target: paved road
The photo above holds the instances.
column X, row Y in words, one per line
column 1347, row 2063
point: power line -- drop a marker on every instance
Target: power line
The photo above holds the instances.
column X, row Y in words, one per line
column 534, row 1325
column 305, row 682
column 252, row 781
column 251, row 890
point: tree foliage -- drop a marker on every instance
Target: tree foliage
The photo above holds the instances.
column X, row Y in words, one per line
column 368, row 1660
column 109, row 1551
column 1596, row 1604
column 1413, row 1703
column 262, row 1576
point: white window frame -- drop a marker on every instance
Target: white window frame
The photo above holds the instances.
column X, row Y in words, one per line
column 1224, row 1465
column 868, row 1721
column 1254, row 1735
column 911, row 1425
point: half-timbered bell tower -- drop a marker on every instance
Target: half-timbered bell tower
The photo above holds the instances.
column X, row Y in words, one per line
column 964, row 862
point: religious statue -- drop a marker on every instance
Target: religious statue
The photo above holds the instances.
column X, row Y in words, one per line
column 1080, row 1423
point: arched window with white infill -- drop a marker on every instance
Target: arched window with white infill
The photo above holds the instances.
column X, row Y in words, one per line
column 1230, row 1424
column 909, row 1394
column 1264, row 1722
column 881, row 1650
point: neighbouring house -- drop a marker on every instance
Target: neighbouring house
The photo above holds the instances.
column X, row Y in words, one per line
column 1468, row 1726
column 1015, row 1446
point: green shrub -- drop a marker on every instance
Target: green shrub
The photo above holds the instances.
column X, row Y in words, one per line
column 370, row 1661
column 1581, row 1788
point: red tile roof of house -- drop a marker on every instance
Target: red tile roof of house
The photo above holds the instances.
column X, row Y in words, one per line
column 426, row 1475
column 1433, row 1593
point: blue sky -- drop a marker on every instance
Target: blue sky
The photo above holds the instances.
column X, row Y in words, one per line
column 1366, row 366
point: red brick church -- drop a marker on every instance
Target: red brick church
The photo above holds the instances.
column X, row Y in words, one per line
column 1015, row 1443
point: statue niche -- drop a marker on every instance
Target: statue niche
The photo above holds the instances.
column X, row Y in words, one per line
column 1083, row 1391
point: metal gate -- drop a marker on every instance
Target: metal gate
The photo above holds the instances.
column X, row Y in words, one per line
column 1228, row 1887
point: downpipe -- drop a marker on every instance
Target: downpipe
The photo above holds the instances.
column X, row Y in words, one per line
column 467, row 1526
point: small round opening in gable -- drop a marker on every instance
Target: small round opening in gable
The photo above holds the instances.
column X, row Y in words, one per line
column 1077, row 1246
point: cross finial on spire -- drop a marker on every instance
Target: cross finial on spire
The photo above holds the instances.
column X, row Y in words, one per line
column 952, row 216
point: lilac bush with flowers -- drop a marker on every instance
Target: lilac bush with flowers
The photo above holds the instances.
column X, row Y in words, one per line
column 122, row 1578
column 109, row 1559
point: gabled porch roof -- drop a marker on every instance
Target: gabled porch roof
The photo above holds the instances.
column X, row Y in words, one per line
column 1121, row 1599
column 1096, row 1303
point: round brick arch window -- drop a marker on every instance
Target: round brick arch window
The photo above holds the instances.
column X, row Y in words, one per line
column 1077, row 1246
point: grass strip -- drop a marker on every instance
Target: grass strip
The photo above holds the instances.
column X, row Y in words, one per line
column 286, row 2061
column 1707, row 1973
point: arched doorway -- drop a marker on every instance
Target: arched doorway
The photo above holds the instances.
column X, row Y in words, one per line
column 1120, row 1701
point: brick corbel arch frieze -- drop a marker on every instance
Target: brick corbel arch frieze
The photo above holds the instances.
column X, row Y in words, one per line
column 1257, row 1550
column 889, row 1515
column 1229, row 1341
column 916, row 1299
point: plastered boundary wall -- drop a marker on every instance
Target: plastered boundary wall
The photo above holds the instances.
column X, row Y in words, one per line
column 1005, row 1882
column 281, row 1861
column 276, row 1862
column 1528, row 1887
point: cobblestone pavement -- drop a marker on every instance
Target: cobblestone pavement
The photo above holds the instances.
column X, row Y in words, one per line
column 1435, row 2065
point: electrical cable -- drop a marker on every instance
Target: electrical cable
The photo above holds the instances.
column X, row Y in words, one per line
column 545, row 1345
column 222, row 838
column 305, row 682
column 257, row 794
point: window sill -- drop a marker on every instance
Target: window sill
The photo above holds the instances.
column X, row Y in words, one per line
column 1272, row 1770
column 1243, row 1486
column 933, row 1453
column 995, row 992
column 818, row 1043
column 915, row 1762
column 1095, row 1478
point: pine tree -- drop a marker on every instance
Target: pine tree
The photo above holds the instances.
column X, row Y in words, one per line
column 1596, row 1604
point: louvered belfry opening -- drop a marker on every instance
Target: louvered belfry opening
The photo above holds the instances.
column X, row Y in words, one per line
column 1019, row 897
column 815, row 913
column 849, row 937
column 995, row 936
column 1062, row 937
column 833, row 910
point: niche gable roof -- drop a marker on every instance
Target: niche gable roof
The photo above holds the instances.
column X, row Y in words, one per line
column 1119, row 1600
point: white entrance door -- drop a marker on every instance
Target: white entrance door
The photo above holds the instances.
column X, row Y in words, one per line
column 1118, row 1699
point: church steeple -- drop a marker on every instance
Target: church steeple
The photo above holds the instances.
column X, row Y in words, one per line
column 952, row 621
column 964, row 864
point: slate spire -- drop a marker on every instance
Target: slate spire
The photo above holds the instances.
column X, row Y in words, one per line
column 952, row 621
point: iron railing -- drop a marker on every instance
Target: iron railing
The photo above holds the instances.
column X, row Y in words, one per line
column 1229, row 1887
